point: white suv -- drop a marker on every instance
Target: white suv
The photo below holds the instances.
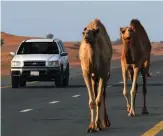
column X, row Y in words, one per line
column 40, row 60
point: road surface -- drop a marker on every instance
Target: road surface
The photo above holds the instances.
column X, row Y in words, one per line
column 43, row 110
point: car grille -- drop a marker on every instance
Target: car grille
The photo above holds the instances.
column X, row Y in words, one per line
column 34, row 63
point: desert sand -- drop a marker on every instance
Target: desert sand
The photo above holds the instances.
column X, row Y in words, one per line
column 11, row 42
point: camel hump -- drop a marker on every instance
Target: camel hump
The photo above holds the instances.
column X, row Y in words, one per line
column 97, row 20
column 141, row 33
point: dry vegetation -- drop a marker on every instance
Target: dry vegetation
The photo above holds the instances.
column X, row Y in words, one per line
column 11, row 43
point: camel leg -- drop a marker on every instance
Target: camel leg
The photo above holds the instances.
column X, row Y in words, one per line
column 147, row 65
column 87, row 79
column 94, row 85
column 108, row 72
column 131, row 73
column 133, row 92
column 98, row 104
column 106, row 122
column 124, row 75
column 144, row 110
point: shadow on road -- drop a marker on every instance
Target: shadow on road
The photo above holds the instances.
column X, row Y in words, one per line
column 51, row 86
column 150, row 84
column 83, row 86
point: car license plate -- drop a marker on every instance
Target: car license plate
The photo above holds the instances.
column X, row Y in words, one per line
column 34, row 73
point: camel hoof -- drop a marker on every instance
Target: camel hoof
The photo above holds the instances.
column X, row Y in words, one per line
column 145, row 111
column 106, row 124
column 131, row 114
column 90, row 130
column 98, row 126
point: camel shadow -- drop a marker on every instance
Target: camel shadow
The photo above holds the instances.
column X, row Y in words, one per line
column 150, row 84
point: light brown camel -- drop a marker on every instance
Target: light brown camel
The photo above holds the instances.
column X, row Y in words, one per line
column 138, row 27
column 133, row 61
column 95, row 55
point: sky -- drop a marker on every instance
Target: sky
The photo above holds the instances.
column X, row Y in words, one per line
column 66, row 20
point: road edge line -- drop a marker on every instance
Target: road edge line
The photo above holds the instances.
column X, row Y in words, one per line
column 154, row 130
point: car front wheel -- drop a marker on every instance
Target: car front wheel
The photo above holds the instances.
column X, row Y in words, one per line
column 66, row 77
column 59, row 80
column 22, row 81
column 15, row 81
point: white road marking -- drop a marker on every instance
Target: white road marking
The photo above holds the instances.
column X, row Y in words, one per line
column 157, row 72
column 109, row 85
column 121, row 82
column 26, row 110
column 116, row 67
column 75, row 96
column 76, row 75
column 53, row 102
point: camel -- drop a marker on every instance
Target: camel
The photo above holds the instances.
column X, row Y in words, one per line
column 134, row 58
column 138, row 27
column 95, row 55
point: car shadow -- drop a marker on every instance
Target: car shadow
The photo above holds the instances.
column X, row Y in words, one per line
column 51, row 86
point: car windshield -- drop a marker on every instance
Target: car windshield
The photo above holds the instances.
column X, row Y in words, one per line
column 38, row 48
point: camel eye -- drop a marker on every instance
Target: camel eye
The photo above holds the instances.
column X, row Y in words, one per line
column 123, row 31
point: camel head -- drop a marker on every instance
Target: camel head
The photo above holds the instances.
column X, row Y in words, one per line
column 126, row 33
column 135, row 24
column 90, row 35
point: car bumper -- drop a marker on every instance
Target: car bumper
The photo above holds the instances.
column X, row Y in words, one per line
column 44, row 74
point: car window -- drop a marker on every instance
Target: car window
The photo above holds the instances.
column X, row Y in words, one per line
column 60, row 47
column 38, row 48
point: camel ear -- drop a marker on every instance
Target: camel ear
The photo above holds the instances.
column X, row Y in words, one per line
column 121, row 28
column 85, row 28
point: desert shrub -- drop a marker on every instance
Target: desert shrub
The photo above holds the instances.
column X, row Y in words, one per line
column 50, row 36
column 2, row 42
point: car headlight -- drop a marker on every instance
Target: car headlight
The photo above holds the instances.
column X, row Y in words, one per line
column 16, row 64
column 53, row 63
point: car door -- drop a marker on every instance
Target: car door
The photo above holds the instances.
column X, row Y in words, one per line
column 62, row 57
column 66, row 56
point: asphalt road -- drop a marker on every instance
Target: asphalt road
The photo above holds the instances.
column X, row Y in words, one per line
column 43, row 110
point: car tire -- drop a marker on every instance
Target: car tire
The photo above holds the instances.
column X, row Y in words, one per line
column 59, row 80
column 22, row 81
column 66, row 77
column 15, row 81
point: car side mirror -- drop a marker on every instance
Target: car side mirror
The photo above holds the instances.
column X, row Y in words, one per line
column 64, row 54
column 12, row 54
